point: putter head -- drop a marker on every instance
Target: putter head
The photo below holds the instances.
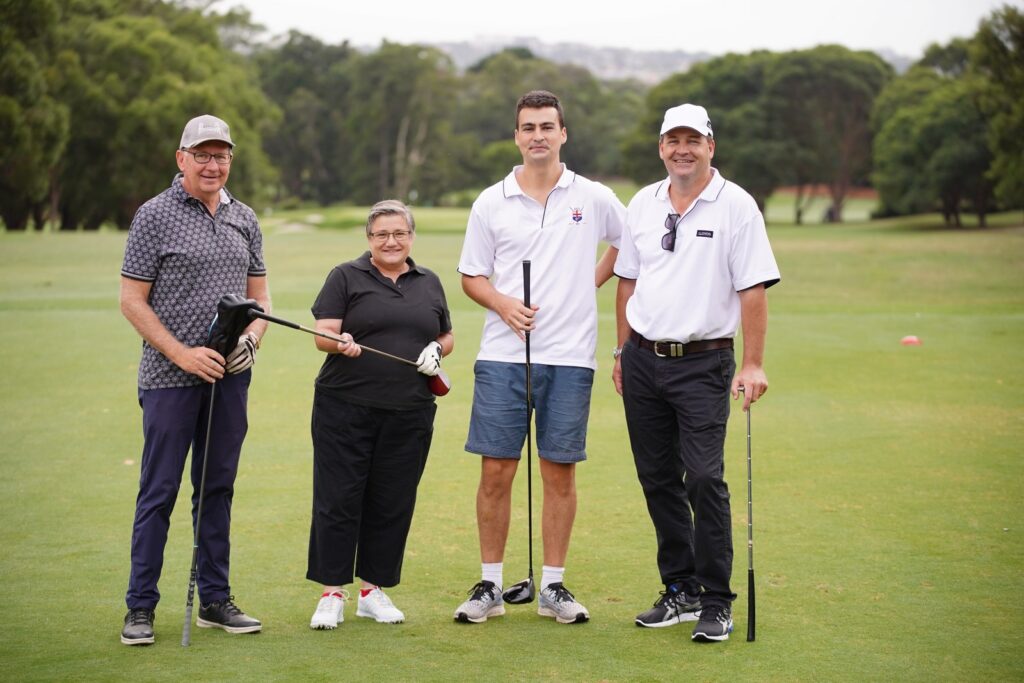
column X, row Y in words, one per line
column 520, row 593
column 231, row 319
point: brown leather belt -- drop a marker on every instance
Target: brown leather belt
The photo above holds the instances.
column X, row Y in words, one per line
column 666, row 348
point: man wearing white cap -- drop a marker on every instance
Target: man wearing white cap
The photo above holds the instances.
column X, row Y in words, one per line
column 187, row 247
column 693, row 266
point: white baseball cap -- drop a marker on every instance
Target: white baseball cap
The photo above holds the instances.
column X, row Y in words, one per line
column 203, row 129
column 687, row 116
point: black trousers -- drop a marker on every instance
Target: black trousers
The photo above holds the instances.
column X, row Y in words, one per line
column 676, row 413
column 367, row 464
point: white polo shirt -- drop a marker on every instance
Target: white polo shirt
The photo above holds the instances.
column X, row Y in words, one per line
column 560, row 238
column 721, row 247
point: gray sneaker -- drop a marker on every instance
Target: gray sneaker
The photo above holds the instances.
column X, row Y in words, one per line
column 484, row 601
column 556, row 601
column 672, row 607
column 138, row 627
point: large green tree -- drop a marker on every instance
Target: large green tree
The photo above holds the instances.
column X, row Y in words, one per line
column 35, row 124
column 399, row 108
column 930, row 150
column 132, row 73
column 821, row 101
column 309, row 82
column 997, row 54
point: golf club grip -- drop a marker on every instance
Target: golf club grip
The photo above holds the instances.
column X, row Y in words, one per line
column 751, row 604
column 526, row 283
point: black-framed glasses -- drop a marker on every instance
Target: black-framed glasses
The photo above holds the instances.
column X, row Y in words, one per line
column 401, row 236
column 668, row 240
column 222, row 159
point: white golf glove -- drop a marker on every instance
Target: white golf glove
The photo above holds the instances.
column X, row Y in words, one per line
column 244, row 355
column 429, row 362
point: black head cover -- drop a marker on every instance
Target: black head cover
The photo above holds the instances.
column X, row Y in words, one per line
column 232, row 318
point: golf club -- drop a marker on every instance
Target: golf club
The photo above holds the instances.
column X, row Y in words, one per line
column 525, row 591
column 750, row 541
column 438, row 384
column 225, row 330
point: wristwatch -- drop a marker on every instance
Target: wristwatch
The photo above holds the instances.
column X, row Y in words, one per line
column 616, row 352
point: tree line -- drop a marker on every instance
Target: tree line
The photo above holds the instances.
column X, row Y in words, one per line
column 94, row 93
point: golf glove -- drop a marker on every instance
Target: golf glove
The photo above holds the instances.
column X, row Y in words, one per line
column 429, row 362
column 244, row 355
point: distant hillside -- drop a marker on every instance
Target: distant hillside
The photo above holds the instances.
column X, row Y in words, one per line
column 607, row 63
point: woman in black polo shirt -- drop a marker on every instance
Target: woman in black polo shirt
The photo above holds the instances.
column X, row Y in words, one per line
column 372, row 417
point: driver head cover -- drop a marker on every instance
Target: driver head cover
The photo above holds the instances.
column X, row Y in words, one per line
column 232, row 319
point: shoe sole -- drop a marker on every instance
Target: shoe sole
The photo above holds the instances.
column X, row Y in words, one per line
column 707, row 638
column 674, row 621
column 367, row 615
column 580, row 618
column 138, row 641
column 203, row 623
column 464, row 618
column 324, row 625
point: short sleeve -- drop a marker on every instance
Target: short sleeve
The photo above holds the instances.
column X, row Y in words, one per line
column 142, row 251
column 332, row 301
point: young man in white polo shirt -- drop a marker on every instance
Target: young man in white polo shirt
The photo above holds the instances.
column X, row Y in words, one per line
column 694, row 262
column 547, row 214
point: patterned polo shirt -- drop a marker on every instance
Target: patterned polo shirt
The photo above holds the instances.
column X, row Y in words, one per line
column 192, row 259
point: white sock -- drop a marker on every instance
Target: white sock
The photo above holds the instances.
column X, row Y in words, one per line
column 492, row 571
column 551, row 575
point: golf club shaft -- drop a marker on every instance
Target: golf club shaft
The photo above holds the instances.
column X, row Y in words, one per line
column 186, row 631
column 529, row 423
column 751, row 602
column 326, row 335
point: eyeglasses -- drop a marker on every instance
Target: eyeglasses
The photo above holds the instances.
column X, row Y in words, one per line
column 668, row 240
column 382, row 237
column 222, row 159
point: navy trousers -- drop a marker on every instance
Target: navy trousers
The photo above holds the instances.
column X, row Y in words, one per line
column 174, row 421
column 367, row 464
column 676, row 413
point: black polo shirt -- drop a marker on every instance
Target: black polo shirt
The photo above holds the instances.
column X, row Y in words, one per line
column 399, row 318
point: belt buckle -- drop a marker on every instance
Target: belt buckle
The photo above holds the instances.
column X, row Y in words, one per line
column 675, row 349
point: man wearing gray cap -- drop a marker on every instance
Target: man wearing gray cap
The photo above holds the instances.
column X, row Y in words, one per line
column 694, row 264
column 187, row 247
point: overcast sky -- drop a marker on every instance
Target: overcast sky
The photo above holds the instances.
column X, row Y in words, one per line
column 714, row 26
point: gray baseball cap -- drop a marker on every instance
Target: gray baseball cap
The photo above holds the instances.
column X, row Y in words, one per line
column 203, row 129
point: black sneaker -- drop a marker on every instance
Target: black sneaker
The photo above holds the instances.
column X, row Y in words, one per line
column 226, row 615
column 138, row 627
column 715, row 624
column 671, row 608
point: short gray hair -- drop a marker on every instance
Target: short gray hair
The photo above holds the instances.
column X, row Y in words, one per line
column 390, row 207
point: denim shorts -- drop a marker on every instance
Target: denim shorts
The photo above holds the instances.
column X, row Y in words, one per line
column 561, row 407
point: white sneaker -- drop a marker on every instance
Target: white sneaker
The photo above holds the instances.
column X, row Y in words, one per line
column 330, row 610
column 556, row 601
column 378, row 606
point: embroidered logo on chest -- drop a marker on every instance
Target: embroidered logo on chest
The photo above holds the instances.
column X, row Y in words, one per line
column 576, row 213
column 705, row 233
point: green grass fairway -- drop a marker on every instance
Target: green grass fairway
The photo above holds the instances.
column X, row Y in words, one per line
column 888, row 484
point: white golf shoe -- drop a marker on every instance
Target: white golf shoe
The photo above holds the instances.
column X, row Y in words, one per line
column 330, row 611
column 378, row 606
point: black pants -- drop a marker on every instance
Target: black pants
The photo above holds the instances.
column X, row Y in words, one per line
column 367, row 463
column 676, row 412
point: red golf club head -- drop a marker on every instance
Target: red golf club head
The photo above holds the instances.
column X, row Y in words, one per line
column 439, row 384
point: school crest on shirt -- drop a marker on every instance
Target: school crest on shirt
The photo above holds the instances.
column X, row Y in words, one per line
column 576, row 213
